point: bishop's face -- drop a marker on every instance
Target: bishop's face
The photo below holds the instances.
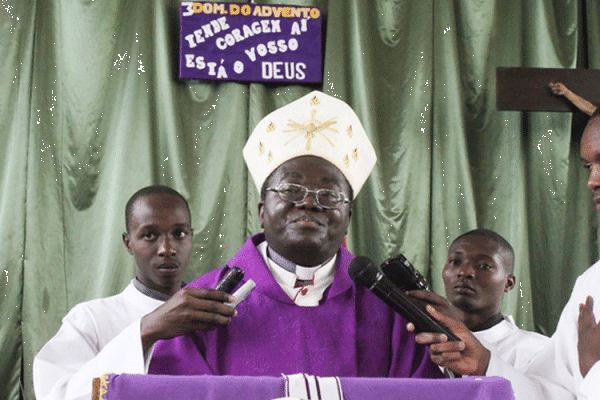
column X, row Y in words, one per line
column 305, row 232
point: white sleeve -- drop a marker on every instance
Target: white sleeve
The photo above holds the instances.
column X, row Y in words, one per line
column 526, row 386
column 65, row 367
column 559, row 362
column 589, row 389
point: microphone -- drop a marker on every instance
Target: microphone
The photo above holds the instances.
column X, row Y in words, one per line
column 230, row 280
column 403, row 274
column 364, row 273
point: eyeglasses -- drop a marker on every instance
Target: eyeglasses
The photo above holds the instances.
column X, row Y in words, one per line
column 293, row 193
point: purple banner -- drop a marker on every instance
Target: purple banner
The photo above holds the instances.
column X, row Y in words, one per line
column 250, row 42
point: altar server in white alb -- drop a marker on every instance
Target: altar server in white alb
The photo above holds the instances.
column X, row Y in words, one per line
column 111, row 334
column 572, row 359
column 477, row 274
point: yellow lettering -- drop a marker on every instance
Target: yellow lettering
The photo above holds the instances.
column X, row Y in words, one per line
column 285, row 12
column 219, row 8
column 257, row 11
column 304, row 11
column 246, row 9
column 295, row 13
column 266, row 11
column 276, row 11
column 234, row 9
column 197, row 7
column 315, row 13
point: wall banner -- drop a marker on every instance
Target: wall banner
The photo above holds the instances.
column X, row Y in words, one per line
column 250, row 42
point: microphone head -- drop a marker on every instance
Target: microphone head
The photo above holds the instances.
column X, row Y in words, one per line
column 363, row 271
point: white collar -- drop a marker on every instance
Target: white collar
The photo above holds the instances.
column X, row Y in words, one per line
column 307, row 295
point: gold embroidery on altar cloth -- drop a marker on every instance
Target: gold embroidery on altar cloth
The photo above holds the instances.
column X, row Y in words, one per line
column 103, row 386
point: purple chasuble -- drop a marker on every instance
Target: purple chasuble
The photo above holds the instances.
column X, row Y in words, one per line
column 351, row 333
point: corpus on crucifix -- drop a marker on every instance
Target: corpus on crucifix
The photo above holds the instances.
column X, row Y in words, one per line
column 547, row 89
column 560, row 89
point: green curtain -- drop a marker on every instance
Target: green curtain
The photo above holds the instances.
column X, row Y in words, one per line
column 91, row 110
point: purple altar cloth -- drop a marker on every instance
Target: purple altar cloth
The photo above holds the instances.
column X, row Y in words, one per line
column 207, row 387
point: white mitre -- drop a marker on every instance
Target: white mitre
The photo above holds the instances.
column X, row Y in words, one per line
column 314, row 125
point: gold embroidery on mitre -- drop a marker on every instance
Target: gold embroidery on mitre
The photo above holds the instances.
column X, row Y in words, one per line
column 349, row 131
column 261, row 149
column 270, row 127
column 355, row 154
column 346, row 161
column 315, row 101
column 270, row 157
column 313, row 127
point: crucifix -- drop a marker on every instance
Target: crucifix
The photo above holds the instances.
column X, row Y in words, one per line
column 527, row 89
